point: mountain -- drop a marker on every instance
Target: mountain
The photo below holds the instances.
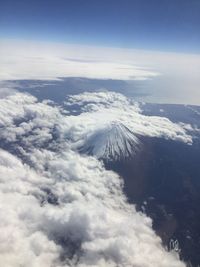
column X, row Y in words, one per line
column 112, row 143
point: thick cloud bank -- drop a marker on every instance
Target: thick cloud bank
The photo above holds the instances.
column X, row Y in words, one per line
column 61, row 208
column 26, row 60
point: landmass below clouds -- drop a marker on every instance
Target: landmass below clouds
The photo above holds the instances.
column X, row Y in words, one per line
column 61, row 208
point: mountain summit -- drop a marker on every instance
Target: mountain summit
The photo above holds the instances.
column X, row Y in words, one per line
column 112, row 143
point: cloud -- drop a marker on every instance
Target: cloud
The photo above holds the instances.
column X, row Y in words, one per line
column 102, row 108
column 92, row 225
column 61, row 208
column 6, row 88
column 26, row 121
column 35, row 61
column 22, row 243
column 169, row 77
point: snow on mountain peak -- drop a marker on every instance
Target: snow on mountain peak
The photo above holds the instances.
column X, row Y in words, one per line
column 112, row 143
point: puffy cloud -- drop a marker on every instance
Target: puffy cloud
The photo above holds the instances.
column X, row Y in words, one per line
column 90, row 224
column 98, row 110
column 21, row 242
column 23, row 119
column 61, row 208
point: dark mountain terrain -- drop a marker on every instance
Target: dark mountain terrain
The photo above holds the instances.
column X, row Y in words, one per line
column 162, row 177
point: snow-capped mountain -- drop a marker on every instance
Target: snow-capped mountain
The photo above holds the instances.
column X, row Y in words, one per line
column 113, row 142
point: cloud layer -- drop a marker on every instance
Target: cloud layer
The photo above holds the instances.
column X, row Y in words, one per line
column 35, row 61
column 170, row 77
column 60, row 208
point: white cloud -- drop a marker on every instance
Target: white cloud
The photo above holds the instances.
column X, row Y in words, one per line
column 23, row 119
column 36, row 61
column 60, row 208
column 103, row 108
column 170, row 77
column 91, row 226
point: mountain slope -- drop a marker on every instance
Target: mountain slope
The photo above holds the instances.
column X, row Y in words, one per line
column 112, row 143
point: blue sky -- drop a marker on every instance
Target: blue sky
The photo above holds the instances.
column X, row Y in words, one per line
column 165, row 25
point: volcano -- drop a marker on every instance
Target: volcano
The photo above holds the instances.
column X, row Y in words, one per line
column 115, row 142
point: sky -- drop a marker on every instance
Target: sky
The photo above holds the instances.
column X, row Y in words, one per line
column 148, row 40
column 167, row 25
